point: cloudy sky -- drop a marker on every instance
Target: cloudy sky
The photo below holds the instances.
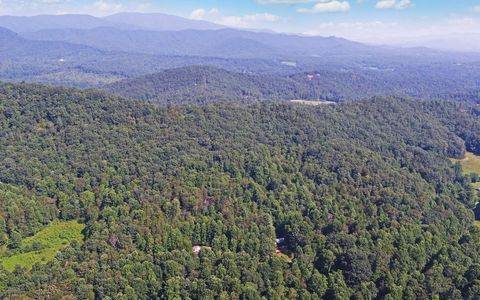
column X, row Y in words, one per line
column 363, row 20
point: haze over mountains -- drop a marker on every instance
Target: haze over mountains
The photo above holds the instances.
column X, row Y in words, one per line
column 86, row 51
column 217, row 43
column 466, row 42
column 154, row 21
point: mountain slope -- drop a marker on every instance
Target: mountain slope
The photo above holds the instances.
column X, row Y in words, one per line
column 160, row 22
column 7, row 36
column 14, row 45
column 362, row 194
column 216, row 43
column 298, row 52
column 156, row 21
column 63, row 63
column 199, row 84
column 42, row 22
column 24, row 59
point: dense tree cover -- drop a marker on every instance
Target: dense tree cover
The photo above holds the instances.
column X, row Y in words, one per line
column 460, row 118
column 363, row 193
column 203, row 84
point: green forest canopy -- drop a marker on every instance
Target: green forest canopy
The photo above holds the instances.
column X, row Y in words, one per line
column 362, row 192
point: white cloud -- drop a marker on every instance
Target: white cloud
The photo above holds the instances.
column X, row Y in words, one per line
column 53, row 1
column 203, row 14
column 463, row 22
column 394, row 4
column 380, row 32
column 327, row 7
column 353, row 30
column 245, row 21
column 102, row 7
column 476, row 8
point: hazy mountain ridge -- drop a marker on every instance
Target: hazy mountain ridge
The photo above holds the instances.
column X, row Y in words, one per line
column 62, row 63
column 159, row 21
column 154, row 21
column 97, row 56
column 34, row 23
column 218, row 43
column 14, row 45
column 295, row 50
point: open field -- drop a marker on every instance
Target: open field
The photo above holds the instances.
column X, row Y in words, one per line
column 470, row 164
column 477, row 224
column 312, row 102
column 46, row 243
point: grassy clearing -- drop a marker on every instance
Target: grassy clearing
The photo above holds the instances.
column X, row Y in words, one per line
column 312, row 102
column 285, row 257
column 470, row 164
column 477, row 224
column 47, row 242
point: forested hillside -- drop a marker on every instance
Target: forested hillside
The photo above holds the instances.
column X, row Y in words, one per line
column 203, row 84
column 200, row 85
column 151, row 21
column 187, row 201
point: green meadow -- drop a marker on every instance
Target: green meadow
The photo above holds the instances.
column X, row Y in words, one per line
column 470, row 164
column 42, row 247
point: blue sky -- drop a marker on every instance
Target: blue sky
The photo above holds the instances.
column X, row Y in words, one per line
column 364, row 20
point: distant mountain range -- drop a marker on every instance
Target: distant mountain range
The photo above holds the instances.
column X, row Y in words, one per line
column 85, row 51
column 160, row 22
column 465, row 42
column 215, row 43
column 63, row 63
column 291, row 50
column 154, row 21
column 15, row 46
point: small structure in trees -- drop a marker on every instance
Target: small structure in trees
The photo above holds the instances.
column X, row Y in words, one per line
column 281, row 249
column 278, row 245
column 196, row 249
